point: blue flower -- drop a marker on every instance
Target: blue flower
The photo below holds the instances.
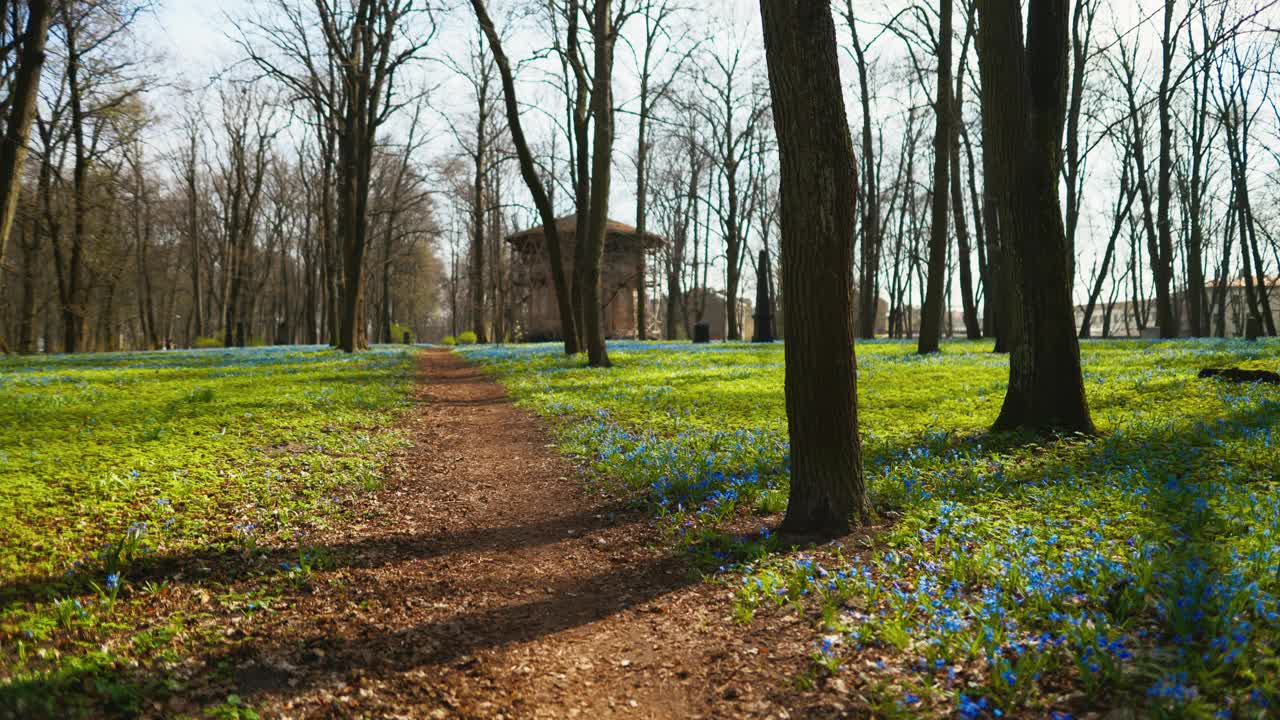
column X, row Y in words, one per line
column 113, row 581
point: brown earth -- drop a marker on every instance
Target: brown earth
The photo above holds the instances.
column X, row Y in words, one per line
column 487, row 582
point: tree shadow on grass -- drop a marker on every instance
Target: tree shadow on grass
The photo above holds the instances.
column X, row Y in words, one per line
column 313, row 650
column 231, row 564
column 1190, row 607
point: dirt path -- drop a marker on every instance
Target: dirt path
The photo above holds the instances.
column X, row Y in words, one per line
column 485, row 582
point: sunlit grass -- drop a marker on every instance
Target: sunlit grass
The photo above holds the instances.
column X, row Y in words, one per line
column 112, row 460
column 1140, row 567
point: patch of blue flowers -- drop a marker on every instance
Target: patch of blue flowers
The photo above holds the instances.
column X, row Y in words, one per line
column 1139, row 568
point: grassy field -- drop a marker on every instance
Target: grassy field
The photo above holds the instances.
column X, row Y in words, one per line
column 110, row 459
column 1139, row 568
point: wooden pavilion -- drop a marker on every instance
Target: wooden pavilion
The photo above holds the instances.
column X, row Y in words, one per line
column 539, row 316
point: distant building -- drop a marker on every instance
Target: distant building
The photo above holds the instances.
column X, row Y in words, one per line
column 1127, row 319
column 882, row 314
column 539, row 315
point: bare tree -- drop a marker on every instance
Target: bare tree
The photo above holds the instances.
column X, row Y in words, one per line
column 658, row 16
column 1119, row 216
column 242, row 170
column 480, row 72
column 529, row 173
column 872, row 232
column 342, row 61
column 731, row 112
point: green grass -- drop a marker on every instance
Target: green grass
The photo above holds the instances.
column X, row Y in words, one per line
column 114, row 463
column 1138, row 568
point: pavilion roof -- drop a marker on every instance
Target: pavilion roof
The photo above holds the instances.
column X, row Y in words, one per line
column 568, row 225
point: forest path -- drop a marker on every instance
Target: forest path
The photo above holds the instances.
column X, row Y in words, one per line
column 485, row 582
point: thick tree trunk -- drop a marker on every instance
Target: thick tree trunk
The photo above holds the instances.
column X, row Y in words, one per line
column 1024, row 97
column 818, row 193
column 932, row 308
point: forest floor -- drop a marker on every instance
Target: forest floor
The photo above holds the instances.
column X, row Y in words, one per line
column 506, row 532
column 489, row 583
column 311, row 535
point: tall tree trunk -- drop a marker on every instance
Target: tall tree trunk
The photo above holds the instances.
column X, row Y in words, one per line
column 979, row 235
column 872, row 233
column 582, row 115
column 642, row 198
column 601, row 174
column 477, row 227
column 1162, row 259
column 74, row 302
column 193, row 238
column 818, row 193
column 30, row 244
column 1197, row 293
column 932, row 308
column 972, row 329
column 21, row 111
column 1024, row 98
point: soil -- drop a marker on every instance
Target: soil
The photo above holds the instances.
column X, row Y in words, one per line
column 487, row 581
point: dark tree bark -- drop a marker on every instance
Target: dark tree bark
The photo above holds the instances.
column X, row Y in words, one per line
column 603, row 34
column 480, row 159
column 29, row 242
column 581, row 146
column 1024, row 109
column 1162, row 258
column 21, row 106
column 999, row 278
column 972, row 329
column 931, row 311
column 818, row 191
column 74, row 292
column 764, row 301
